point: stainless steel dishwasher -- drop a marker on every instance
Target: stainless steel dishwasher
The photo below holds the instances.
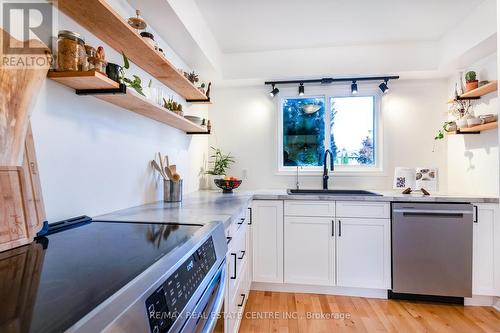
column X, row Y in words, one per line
column 432, row 250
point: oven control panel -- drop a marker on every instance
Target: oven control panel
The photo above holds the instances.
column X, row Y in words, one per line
column 167, row 302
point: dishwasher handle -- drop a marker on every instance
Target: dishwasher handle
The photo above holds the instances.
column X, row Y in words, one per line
column 433, row 212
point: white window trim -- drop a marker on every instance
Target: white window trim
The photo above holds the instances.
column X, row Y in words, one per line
column 328, row 92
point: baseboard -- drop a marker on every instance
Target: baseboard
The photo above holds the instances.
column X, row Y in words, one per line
column 477, row 300
column 325, row 290
column 497, row 304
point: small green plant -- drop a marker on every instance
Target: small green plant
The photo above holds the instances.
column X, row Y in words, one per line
column 220, row 163
column 442, row 131
column 470, row 76
column 134, row 83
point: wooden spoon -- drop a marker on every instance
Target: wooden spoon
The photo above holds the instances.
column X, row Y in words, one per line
column 169, row 173
column 173, row 168
column 157, row 168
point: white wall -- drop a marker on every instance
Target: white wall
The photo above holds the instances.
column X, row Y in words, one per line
column 93, row 157
column 245, row 123
column 473, row 159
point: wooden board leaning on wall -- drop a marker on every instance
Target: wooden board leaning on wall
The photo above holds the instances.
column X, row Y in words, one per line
column 21, row 206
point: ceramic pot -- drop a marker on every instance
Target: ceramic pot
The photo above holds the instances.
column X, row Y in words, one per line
column 462, row 123
column 471, row 85
column 114, row 72
column 474, row 121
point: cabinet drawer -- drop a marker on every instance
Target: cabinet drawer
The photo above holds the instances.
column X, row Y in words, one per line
column 380, row 210
column 237, row 258
column 310, row 208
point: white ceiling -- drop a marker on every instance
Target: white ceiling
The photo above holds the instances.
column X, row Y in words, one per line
column 263, row 25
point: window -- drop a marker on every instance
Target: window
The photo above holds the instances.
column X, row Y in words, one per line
column 345, row 125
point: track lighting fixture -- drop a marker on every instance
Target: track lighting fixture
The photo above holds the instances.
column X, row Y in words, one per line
column 301, row 89
column 354, row 88
column 354, row 83
column 384, row 87
column 274, row 92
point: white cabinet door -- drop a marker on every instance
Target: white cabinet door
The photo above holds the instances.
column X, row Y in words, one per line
column 267, row 240
column 309, row 250
column 363, row 253
column 486, row 251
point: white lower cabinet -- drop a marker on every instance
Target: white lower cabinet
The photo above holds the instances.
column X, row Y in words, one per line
column 309, row 250
column 486, row 251
column 267, row 240
column 363, row 253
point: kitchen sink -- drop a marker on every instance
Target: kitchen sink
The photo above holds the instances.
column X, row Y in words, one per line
column 334, row 192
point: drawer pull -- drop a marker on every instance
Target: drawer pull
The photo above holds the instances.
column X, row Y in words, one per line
column 243, row 296
column 242, row 255
column 229, row 239
column 235, row 257
column 251, row 217
column 340, row 228
column 241, row 221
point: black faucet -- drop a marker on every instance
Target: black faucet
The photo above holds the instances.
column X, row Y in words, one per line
column 325, row 171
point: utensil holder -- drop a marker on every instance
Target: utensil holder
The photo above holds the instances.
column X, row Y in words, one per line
column 172, row 191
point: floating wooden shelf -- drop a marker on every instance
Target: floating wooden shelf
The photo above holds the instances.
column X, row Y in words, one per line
column 130, row 100
column 101, row 20
column 476, row 129
column 84, row 80
column 489, row 87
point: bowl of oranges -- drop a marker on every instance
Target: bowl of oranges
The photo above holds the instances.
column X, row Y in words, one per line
column 228, row 183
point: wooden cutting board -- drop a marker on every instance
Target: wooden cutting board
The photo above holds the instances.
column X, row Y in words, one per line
column 21, row 206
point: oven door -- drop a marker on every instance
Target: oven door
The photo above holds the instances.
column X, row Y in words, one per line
column 209, row 308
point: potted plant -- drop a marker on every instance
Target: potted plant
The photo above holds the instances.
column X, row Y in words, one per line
column 460, row 110
column 471, row 82
column 219, row 164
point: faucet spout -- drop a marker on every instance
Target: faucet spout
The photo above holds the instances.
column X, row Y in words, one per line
column 325, row 170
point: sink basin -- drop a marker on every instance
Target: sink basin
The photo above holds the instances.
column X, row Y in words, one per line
column 334, row 192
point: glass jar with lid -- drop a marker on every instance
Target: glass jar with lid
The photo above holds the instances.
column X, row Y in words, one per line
column 71, row 54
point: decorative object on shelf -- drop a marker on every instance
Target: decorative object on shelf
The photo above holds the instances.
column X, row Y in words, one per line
column 134, row 83
column 474, row 121
column 202, row 88
column 488, row 118
column 114, row 72
column 149, row 37
column 195, row 119
column 173, row 106
column 461, row 110
column 228, row 185
column 136, row 22
column 192, row 77
column 71, row 54
column 208, row 90
column 471, row 82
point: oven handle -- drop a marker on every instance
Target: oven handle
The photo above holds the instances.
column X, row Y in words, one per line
column 216, row 306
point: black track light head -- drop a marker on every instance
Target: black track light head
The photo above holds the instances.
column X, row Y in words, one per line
column 384, row 87
column 354, row 88
column 301, row 89
column 274, row 92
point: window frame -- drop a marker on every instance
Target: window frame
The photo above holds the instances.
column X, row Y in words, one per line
column 328, row 93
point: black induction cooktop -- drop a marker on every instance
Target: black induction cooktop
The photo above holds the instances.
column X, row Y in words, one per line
column 50, row 284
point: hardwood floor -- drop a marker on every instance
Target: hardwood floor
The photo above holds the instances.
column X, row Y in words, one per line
column 289, row 312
